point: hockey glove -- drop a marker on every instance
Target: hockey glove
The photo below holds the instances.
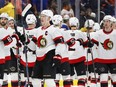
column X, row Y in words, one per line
column 90, row 44
column 18, row 33
column 56, row 61
column 24, row 39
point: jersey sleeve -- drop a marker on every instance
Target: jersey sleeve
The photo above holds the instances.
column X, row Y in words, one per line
column 59, row 42
column 7, row 39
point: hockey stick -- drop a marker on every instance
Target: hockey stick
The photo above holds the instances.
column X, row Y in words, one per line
column 26, row 9
column 25, row 47
column 18, row 59
column 89, row 50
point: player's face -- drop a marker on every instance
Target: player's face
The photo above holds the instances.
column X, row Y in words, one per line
column 31, row 26
column 107, row 23
column 44, row 19
column 3, row 21
column 73, row 28
column 11, row 24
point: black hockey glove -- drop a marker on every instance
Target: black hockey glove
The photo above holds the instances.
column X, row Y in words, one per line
column 24, row 39
column 56, row 61
column 18, row 33
column 21, row 37
column 90, row 44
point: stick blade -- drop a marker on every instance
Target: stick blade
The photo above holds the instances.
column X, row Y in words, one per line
column 26, row 9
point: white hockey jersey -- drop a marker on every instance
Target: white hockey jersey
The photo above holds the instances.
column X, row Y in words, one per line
column 31, row 56
column 66, row 37
column 94, row 51
column 5, row 41
column 107, row 46
column 7, row 50
column 46, row 41
column 76, row 52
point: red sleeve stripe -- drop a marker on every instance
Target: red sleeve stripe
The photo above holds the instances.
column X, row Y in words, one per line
column 7, row 40
column 58, row 40
column 70, row 42
column 34, row 39
column 96, row 42
column 15, row 36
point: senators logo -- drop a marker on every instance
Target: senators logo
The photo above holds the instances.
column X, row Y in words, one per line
column 42, row 42
column 107, row 44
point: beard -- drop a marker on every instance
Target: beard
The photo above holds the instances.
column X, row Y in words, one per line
column 2, row 23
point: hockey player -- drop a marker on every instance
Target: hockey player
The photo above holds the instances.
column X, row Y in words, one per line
column 11, row 23
column 76, row 53
column 91, row 54
column 12, row 55
column 11, row 31
column 48, row 45
column 106, row 52
column 31, row 56
column 65, row 24
column 6, row 41
column 4, row 20
column 64, row 68
column 8, row 66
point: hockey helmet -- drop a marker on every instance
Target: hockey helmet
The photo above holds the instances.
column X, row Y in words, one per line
column 11, row 18
column 66, row 17
column 107, row 17
column 4, row 15
column 89, row 23
column 31, row 19
column 48, row 13
column 93, row 14
column 73, row 21
column 57, row 19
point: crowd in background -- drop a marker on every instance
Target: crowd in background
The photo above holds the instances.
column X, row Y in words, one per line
column 88, row 8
